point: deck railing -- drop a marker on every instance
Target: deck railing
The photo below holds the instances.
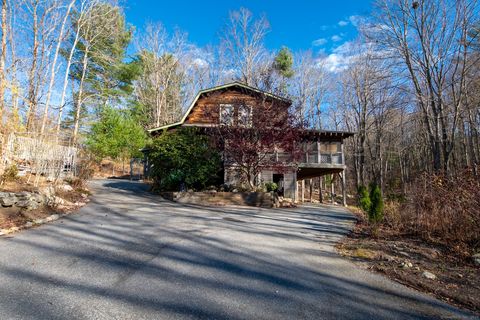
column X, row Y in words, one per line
column 312, row 158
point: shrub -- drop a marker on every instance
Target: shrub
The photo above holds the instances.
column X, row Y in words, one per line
column 364, row 199
column 444, row 209
column 271, row 186
column 184, row 159
column 375, row 212
column 10, row 174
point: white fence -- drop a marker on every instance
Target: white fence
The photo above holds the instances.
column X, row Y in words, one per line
column 39, row 155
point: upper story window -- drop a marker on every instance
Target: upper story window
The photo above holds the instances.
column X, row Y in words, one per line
column 226, row 114
column 245, row 116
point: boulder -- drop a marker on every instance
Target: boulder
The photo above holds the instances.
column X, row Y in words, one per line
column 27, row 204
column 8, row 200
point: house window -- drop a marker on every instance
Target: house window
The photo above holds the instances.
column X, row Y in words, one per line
column 245, row 116
column 226, row 114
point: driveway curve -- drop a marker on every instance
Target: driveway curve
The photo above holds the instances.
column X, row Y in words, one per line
column 130, row 255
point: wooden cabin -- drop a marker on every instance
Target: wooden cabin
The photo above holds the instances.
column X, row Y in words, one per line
column 237, row 104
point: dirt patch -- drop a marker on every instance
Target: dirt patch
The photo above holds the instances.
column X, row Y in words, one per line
column 408, row 260
column 16, row 217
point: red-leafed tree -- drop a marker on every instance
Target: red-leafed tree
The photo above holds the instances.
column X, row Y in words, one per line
column 264, row 136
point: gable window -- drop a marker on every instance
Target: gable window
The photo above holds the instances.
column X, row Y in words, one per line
column 226, row 114
column 245, row 116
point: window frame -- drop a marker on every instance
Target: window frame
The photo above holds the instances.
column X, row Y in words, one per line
column 249, row 115
column 222, row 107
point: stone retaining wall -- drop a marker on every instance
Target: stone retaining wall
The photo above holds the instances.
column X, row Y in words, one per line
column 255, row 199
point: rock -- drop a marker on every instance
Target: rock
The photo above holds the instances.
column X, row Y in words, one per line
column 53, row 217
column 84, row 195
column 406, row 264
column 39, row 221
column 4, row 194
column 66, row 188
column 29, row 224
column 27, row 204
column 476, row 259
column 8, row 201
column 37, row 198
column 235, row 190
column 23, row 195
column 429, row 275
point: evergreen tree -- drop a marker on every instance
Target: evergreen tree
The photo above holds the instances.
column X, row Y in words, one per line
column 375, row 212
column 116, row 135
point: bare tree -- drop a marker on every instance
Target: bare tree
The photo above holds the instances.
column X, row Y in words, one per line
column 3, row 57
column 431, row 40
column 159, row 89
column 242, row 45
column 309, row 88
column 53, row 66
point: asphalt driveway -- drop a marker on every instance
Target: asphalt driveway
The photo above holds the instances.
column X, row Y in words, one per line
column 130, row 255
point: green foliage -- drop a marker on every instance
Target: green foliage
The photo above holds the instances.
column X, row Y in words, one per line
column 375, row 212
column 271, row 186
column 103, row 41
column 283, row 63
column 10, row 174
column 184, row 158
column 364, row 199
column 116, row 135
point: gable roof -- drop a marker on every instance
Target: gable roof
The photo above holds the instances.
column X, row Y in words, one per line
column 225, row 86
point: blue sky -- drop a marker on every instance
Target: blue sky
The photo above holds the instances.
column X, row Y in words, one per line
column 299, row 25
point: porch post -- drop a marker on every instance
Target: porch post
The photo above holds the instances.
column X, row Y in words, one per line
column 320, row 195
column 344, row 190
column 295, row 193
column 332, row 188
column 310, row 184
column 303, row 190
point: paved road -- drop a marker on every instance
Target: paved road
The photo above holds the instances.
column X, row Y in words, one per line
column 129, row 255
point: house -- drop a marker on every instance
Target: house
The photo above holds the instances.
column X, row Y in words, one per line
column 236, row 104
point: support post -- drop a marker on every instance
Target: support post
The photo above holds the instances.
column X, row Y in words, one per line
column 344, row 189
column 310, row 184
column 295, row 182
column 332, row 188
column 318, row 152
column 320, row 194
column 303, row 190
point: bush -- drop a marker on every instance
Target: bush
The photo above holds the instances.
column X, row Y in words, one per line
column 271, row 186
column 10, row 174
column 184, row 159
column 375, row 212
column 364, row 199
column 444, row 209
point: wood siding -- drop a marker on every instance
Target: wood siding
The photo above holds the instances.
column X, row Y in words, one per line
column 207, row 109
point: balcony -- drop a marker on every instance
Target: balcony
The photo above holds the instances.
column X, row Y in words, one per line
column 316, row 155
column 313, row 159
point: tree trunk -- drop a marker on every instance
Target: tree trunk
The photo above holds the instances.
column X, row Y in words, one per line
column 54, row 63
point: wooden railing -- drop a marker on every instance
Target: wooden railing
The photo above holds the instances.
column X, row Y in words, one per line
column 312, row 158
